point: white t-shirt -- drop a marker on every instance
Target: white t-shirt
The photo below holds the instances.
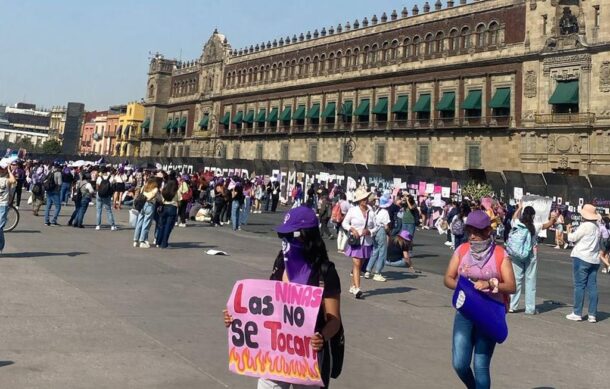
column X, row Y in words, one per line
column 357, row 220
column 4, row 190
column 382, row 218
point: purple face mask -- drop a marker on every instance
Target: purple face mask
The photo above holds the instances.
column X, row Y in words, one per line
column 297, row 267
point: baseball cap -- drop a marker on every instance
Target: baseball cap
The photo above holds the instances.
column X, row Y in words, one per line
column 298, row 218
column 478, row 220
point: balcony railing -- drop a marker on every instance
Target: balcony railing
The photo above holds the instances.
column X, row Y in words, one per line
column 587, row 118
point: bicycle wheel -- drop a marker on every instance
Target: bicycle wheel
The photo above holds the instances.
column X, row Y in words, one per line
column 12, row 218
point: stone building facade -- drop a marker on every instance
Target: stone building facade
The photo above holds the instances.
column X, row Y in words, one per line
column 495, row 84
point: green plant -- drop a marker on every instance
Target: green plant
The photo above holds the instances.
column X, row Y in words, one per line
column 476, row 190
column 51, row 146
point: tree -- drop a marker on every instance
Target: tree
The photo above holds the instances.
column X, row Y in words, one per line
column 51, row 146
column 477, row 190
column 24, row 143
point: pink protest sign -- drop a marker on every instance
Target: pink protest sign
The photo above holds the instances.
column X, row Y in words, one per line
column 454, row 187
column 422, row 188
column 271, row 332
column 438, row 189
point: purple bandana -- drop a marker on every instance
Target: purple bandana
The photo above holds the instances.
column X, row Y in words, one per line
column 297, row 267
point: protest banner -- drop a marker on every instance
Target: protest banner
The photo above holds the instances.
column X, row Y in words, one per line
column 542, row 206
column 271, row 331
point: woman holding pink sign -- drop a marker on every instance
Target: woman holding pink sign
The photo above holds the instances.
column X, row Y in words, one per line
column 489, row 268
column 304, row 260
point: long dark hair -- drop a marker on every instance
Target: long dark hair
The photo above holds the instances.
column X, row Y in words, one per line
column 315, row 249
column 527, row 218
column 169, row 190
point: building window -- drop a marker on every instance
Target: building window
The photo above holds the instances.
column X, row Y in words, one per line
column 313, row 152
column 423, row 155
column 544, row 22
column 236, row 151
column 473, row 153
column 465, row 43
column 380, row 154
column 284, row 152
column 429, row 45
column 454, row 38
column 440, row 42
column 259, row 151
column 480, row 35
column 416, row 43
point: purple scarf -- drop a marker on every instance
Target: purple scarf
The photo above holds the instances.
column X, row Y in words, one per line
column 297, row 267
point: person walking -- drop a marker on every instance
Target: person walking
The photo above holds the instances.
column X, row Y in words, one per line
column 186, row 195
column 67, row 179
column 38, row 176
column 237, row 202
column 380, row 241
column 489, row 268
column 145, row 217
column 245, row 213
column 7, row 181
column 525, row 265
column 119, row 179
column 19, row 174
column 275, row 196
column 585, row 263
column 324, row 210
column 168, row 216
column 104, row 198
column 360, row 224
column 344, row 207
column 86, row 194
column 52, row 186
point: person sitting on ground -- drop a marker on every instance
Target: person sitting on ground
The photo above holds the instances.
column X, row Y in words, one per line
column 399, row 251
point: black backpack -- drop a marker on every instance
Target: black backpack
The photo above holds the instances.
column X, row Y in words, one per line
column 104, row 189
column 49, row 183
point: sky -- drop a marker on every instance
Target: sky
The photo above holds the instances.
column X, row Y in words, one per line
column 97, row 51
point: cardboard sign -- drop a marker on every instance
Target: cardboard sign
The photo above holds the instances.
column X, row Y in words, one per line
column 518, row 193
column 422, row 188
column 271, row 332
column 446, row 192
column 429, row 188
column 542, row 206
column 454, row 186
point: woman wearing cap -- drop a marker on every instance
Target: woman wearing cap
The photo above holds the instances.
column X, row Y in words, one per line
column 489, row 268
column 360, row 224
column 304, row 260
column 380, row 242
column 585, row 260
column 526, row 270
column 399, row 251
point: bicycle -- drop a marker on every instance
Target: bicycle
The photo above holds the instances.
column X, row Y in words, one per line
column 12, row 218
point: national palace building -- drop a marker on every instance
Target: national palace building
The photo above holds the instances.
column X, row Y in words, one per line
column 495, row 84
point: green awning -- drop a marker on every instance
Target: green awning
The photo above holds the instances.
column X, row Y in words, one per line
column 314, row 112
column 285, row 116
column 182, row 123
column 363, row 108
column 422, row 104
column 299, row 114
column 566, row 92
column 204, row 121
column 239, row 117
column 249, row 117
column 175, row 123
column 381, row 108
column 272, row 115
column 473, row 100
column 226, row 119
column 447, row 102
column 146, row 124
column 501, row 99
column 347, row 108
column 401, row 105
column 329, row 111
column 168, row 125
column 262, row 115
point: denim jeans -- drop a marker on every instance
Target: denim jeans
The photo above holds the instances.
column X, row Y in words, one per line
column 144, row 222
column 585, row 277
column 52, row 199
column 235, row 212
column 80, row 216
column 167, row 219
column 64, row 192
column 409, row 227
column 467, row 339
column 3, row 216
column 104, row 202
column 245, row 212
column 525, row 270
column 77, row 206
column 380, row 252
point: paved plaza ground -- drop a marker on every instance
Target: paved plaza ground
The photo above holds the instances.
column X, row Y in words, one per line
column 84, row 309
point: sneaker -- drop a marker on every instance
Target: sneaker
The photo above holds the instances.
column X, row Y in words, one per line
column 605, row 270
column 573, row 317
column 511, row 311
column 592, row 319
column 557, row 247
column 48, row 224
column 97, row 228
column 565, row 246
column 447, row 243
column 113, row 228
column 367, row 275
column 56, row 224
column 358, row 294
column 182, row 225
column 351, row 289
column 135, row 243
column 379, row 277
column 144, row 245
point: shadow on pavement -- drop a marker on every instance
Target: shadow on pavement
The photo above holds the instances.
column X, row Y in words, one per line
column 382, row 291
column 396, row 275
column 6, row 363
column 37, row 254
column 601, row 316
column 191, row 245
column 24, row 232
column 550, row 305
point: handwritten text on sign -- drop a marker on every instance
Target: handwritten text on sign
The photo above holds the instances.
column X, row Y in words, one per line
column 270, row 336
